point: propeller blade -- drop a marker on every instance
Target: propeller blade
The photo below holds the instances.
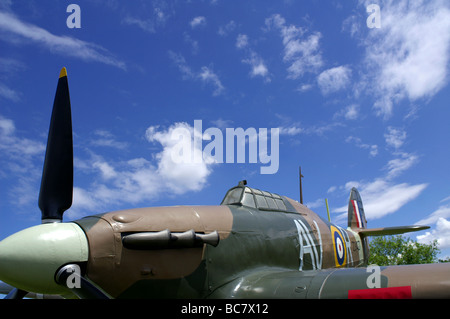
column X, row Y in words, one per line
column 16, row 294
column 85, row 289
column 55, row 195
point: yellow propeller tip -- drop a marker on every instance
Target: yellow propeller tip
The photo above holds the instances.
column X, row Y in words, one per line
column 63, row 72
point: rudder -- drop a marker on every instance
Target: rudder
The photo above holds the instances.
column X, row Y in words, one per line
column 356, row 215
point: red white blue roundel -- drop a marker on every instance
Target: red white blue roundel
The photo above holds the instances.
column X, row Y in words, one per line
column 340, row 251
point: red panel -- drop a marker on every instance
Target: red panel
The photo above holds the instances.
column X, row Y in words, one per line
column 381, row 293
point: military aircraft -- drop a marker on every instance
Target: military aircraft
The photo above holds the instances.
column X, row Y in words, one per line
column 256, row 244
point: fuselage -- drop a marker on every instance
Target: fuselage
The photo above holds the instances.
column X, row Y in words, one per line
column 250, row 240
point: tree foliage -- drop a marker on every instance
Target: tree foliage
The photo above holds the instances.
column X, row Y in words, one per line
column 398, row 250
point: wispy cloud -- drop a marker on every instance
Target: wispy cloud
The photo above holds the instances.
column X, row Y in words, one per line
column 407, row 58
column 106, row 139
column 64, row 45
column 8, row 68
column 373, row 148
column 226, row 29
column 350, row 112
column 147, row 25
column 197, row 22
column 9, row 93
column 395, row 137
column 383, row 195
column 14, row 146
column 403, row 162
column 256, row 62
column 181, row 64
column 334, row 79
column 158, row 18
column 442, row 212
column 301, row 51
column 206, row 75
column 241, row 41
column 17, row 158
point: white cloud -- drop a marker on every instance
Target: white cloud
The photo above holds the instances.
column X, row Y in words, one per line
column 381, row 198
column 9, row 93
column 304, row 87
column 199, row 21
column 64, row 45
column 241, row 41
column 400, row 164
column 334, row 79
column 227, row 29
column 441, row 212
column 407, row 58
column 192, row 42
column 114, row 182
column 258, row 67
column 146, row 25
column 83, row 199
column 206, row 75
column 106, row 139
column 155, row 19
column 395, row 137
column 291, row 130
column 373, row 149
column 139, row 180
column 302, row 53
column 185, row 176
column 221, row 123
column 351, row 112
column 17, row 159
column 331, row 189
column 14, row 146
column 106, row 170
column 9, row 67
column 182, row 65
column 441, row 233
column 353, row 25
column 320, row 202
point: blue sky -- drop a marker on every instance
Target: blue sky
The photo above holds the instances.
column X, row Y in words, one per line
column 355, row 106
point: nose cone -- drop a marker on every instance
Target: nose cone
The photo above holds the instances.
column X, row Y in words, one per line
column 30, row 258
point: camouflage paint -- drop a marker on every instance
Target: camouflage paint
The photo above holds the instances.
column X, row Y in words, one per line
column 250, row 240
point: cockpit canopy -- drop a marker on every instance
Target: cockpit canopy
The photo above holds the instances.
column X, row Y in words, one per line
column 255, row 198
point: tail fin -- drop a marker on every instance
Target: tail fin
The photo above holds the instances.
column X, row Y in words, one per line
column 356, row 216
column 358, row 223
column 357, row 220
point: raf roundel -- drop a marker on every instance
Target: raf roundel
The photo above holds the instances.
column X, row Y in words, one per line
column 339, row 247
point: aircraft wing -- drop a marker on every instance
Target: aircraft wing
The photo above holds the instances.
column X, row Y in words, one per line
column 373, row 282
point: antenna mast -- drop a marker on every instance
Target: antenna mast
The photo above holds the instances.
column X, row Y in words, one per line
column 300, row 176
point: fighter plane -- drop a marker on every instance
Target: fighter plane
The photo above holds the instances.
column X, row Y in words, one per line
column 255, row 244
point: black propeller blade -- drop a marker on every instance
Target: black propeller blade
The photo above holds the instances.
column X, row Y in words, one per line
column 16, row 294
column 85, row 290
column 55, row 195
